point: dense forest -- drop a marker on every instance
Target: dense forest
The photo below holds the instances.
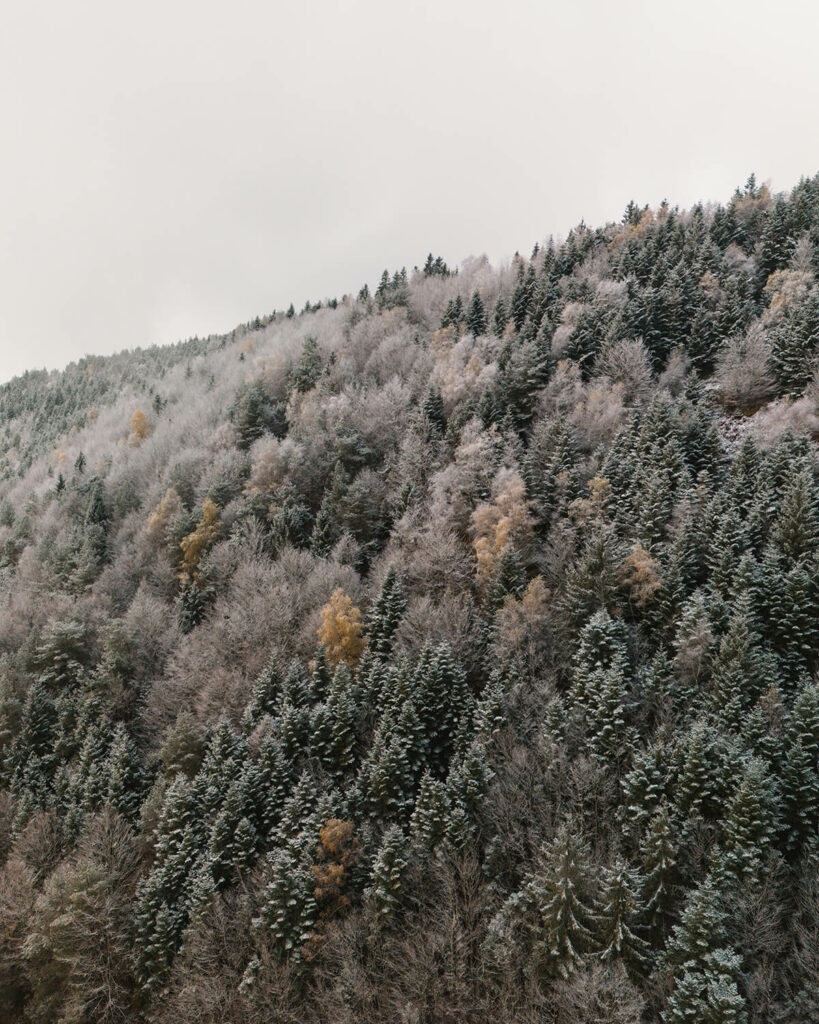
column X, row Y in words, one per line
column 445, row 652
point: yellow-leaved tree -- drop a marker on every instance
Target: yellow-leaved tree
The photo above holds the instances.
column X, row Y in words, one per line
column 164, row 512
column 200, row 541
column 503, row 521
column 140, row 428
column 341, row 629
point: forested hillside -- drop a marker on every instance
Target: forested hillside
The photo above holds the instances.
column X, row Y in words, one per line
column 442, row 653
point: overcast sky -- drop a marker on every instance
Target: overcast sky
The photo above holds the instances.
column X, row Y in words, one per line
column 173, row 168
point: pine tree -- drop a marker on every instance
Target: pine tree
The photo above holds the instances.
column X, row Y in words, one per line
column 125, row 775
column 796, row 533
column 702, row 771
column 800, row 796
column 468, row 780
column 265, row 698
column 644, row 789
column 335, row 726
column 803, row 722
column 430, row 817
column 593, row 580
column 233, row 839
column 500, row 317
column 385, row 778
column 611, row 737
column 740, row 674
column 441, row 697
column 702, row 928
column 561, row 911
column 708, row 993
column 433, row 408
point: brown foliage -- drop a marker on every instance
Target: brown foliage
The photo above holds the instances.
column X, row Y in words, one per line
column 640, row 576
column 337, row 854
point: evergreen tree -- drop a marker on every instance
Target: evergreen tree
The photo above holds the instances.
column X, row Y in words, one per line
column 706, row 969
column 559, row 908
column 660, row 877
column 476, row 321
column 386, row 615
column 431, row 815
column 750, row 824
column 289, row 910
column 619, row 909
column 387, row 879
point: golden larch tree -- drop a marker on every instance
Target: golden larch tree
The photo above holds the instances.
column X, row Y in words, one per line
column 201, row 540
column 341, row 629
column 140, row 428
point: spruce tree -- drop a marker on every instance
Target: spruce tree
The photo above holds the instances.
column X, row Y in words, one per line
column 476, row 321
column 750, row 825
column 559, row 908
column 431, row 815
column 617, row 919
column 386, row 615
column 384, row 893
column 289, row 910
column 661, row 889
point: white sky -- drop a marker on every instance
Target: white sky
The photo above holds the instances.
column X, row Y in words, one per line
column 173, row 168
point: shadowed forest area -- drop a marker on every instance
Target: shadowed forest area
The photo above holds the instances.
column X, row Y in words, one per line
column 442, row 653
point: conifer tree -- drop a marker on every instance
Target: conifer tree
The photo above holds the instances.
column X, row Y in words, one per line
column 500, row 317
column 476, row 321
column 386, row 615
column 431, row 815
column 800, row 796
column 661, row 888
column 265, row 698
column 706, row 969
column 384, row 893
column 644, row 788
column 289, row 910
column 750, row 825
column 433, row 409
column 125, row 775
column 617, row 918
column 557, row 909
column 385, row 777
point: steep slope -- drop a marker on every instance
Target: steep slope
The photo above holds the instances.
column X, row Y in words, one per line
column 443, row 653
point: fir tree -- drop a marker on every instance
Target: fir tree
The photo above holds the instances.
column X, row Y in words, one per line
column 750, row 824
column 431, row 815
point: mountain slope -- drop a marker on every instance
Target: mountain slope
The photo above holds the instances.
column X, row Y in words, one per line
column 444, row 652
